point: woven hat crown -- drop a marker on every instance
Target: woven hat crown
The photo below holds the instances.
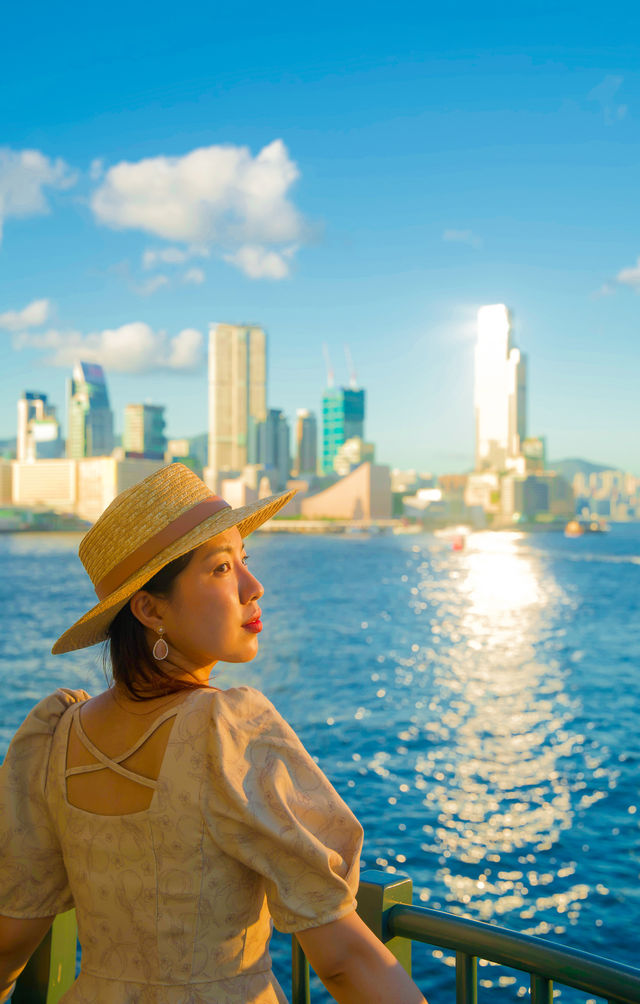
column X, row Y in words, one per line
column 136, row 515
column 163, row 517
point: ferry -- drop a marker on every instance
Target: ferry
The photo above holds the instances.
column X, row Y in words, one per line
column 578, row 527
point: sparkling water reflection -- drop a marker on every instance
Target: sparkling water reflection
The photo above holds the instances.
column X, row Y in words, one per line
column 478, row 710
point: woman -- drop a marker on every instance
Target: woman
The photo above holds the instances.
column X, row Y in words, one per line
column 177, row 818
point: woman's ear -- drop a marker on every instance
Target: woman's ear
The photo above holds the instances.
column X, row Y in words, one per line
column 147, row 609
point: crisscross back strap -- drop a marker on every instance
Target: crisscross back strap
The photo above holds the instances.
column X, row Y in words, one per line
column 115, row 763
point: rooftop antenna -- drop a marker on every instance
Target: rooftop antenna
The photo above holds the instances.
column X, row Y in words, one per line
column 330, row 379
column 353, row 380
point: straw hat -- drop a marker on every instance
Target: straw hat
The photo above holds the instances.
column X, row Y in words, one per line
column 145, row 527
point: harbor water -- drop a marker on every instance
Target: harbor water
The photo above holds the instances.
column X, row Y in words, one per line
column 478, row 709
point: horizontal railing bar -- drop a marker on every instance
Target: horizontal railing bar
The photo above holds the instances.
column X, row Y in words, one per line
column 524, row 952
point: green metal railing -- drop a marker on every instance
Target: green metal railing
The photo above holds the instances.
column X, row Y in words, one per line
column 52, row 968
column 384, row 903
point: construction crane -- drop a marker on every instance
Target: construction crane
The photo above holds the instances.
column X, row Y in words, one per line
column 353, row 380
column 327, row 360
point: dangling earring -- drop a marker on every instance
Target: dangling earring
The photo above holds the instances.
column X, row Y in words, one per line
column 160, row 649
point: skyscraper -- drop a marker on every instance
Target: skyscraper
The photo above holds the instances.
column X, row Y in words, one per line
column 38, row 429
column 306, row 461
column 90, row 419
column 273, row 447
column 342, row 418
column 237, row 394
column 144, row 431
column 500, row 393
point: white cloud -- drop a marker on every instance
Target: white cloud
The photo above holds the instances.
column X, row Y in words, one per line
column 218, row 195
column 96, row 168
column 152, row 285
column 168, row 256
column 259, row 263
column 186, row 350
column 131, row 348
column 194, row 276
column 606, row 289
column 33, row 315
column 24, row 174
column 172, row 255
column 604, row 93
column 630, row 276
column 462, row 237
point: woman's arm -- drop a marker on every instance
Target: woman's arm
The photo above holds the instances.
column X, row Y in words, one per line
column 355, row 967
column 18, row 941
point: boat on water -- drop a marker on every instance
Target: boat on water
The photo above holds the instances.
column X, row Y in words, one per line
column 578, row 527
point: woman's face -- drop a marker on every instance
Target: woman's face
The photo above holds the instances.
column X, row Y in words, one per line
column 212, row 612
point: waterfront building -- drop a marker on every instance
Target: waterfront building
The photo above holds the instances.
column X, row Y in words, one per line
column 343, row 411
column 352, row 453
column 237, row 396
column 365, row 493
column 306, row 460
column 181, row 450
column 144, row 436
column 6, row 477
column 273, row 447
column 38, row 434
column 84, row 487
column 453, row 487
column 531, row 497
column 612, row 494
column 177, row 449
column 500, row 391
column 404, row 482
column 482, row 492
column 534, row 452
column 90, row 419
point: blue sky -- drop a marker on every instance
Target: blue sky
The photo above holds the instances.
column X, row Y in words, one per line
column 341, row 173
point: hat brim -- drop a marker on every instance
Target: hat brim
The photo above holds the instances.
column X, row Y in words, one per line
column 93, row 627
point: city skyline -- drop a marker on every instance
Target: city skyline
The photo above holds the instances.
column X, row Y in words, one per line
column 372, row 187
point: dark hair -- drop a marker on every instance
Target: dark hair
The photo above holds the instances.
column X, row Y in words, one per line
column 132, row 663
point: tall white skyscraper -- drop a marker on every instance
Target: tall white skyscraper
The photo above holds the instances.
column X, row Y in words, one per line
column 306, row 442
column 38, row 429
column 500, row 392
column 237, row 395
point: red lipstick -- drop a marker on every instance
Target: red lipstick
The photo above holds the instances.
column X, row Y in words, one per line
column 254, row 625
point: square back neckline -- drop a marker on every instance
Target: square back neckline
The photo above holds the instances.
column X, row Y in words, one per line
column 112, row 763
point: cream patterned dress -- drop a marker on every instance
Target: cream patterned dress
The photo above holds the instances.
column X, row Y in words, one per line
column 174, row 903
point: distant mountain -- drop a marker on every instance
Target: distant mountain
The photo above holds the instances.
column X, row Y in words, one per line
column 574, row 465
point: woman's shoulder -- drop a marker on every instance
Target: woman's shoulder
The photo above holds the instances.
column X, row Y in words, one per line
column 244, row 703
column 244, row 714
column 29, row 750
column 45, row 715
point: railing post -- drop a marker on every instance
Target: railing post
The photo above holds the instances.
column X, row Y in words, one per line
column 466, row 978
column 52, row 968
column 541, row 990
column 377, row 893
column 299, row 974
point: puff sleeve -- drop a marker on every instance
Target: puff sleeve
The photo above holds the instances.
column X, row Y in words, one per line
column 33, row 880
column 268, row 805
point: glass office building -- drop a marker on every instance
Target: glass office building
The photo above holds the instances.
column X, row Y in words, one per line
column 90, row 419
column 342, row 419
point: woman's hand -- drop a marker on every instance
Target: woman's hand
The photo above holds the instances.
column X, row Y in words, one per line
column 355, row 967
